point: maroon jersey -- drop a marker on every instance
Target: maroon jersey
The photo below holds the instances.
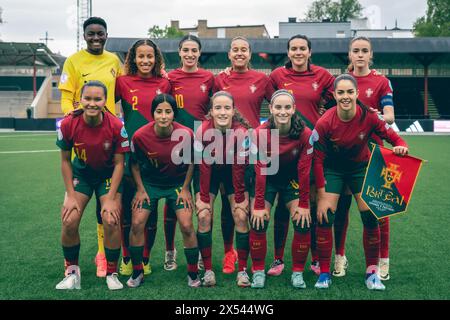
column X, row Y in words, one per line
column 154, row 154
column 237, row 152
column 192, row 90
column 373, row 91
column 373, row 88
column 94, row 146
column 295, row 156
column 310, row 89
column 248, row 90
column 136, row 95
column 344, row 145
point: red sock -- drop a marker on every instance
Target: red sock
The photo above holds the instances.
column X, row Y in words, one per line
column 111, row 267
column 384, row 237
column 324, row 247
column 258, row 249
column 314, row 252
column 170, row 225
column 300, row 250
column 371, row 241
column 146, row 253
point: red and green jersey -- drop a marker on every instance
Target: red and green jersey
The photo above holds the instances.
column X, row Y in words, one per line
column 248, row 90
column 294, row 156
column 154, row 154
column 191, row 90
column 310, row 89
column 94, row 147
column 375, row 91
column 344, row 145
column 136, row 95
column 232, row 145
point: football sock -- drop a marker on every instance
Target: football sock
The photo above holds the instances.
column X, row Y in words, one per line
column 243, row 249
column 227, row 224
column 205, row 245
column 280, row 230
column 324, row 247
column 170, row 225
column 258, row 249
column 300, row 249
column 112, row 256
column 341, row 223
column 384, row 237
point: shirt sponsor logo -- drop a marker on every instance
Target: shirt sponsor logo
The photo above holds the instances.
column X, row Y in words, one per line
column 253, row 88
column 369, row 92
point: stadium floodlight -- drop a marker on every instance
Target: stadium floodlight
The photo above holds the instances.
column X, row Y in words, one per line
column 84, row 11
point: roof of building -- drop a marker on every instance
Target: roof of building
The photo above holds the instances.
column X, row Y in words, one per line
column 27, row 54
column 278, row 46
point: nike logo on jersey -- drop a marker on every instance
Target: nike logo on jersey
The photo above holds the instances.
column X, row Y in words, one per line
column 334, row 140
column 85, row 74
column 133, row 90
column 226, row 88
column 77, row 144
column 287, row 84
column 177, row 88
column 152, row 154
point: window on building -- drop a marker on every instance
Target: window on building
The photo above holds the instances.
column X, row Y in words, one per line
column 221, row 33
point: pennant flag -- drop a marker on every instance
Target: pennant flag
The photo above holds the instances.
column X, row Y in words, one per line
column 389, row 182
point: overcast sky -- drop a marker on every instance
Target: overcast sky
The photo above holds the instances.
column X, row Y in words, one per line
column 28, row 20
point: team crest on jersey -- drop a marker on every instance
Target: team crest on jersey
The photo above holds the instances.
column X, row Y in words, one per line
column 113, row 72
column 158, row 91
column 253, row 88
column 107, row 145
column 369, row 92
column 315, row 85
column 203, row 87
column 362, row 135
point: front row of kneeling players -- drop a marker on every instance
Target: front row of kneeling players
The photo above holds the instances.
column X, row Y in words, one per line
column 338, row 144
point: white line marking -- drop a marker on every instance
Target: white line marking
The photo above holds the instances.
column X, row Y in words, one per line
column 28, row 151
column 26, row 135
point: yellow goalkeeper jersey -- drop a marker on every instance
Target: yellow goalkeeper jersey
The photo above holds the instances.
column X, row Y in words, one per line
column 82, row 67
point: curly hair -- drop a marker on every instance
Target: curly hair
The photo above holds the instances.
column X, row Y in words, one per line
column 130, row 61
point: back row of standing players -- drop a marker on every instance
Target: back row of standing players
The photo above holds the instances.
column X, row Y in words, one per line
column 143, row 78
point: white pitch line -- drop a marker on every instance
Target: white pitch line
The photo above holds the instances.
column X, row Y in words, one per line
column 27, row 151
column 27, row 135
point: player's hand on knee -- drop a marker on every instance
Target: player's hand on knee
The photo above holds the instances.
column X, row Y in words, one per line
column 70, row 204
column 139, row 199
column 302, row 216
column 257, row 218
column 186, row 198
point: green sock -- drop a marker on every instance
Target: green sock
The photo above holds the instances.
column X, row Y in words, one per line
column 71, row 254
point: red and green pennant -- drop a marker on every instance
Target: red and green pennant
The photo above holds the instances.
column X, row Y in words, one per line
column 389, row 182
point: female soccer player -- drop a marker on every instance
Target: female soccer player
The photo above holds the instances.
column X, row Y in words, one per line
column 99, row 140
column 156, row 148
column 290, row 182
column 192, row 87
column 248, row 88
column 375, row 92
column 312, row 88
column 341, row 154
column 226, row 164
column 92, row 63
column 136, row 90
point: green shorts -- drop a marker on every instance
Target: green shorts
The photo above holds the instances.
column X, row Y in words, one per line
column 336, row 180
column 224, row 177
column 169, row 193
column 88, row 186
column 287, row 192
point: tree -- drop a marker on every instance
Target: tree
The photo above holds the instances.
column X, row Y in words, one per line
column 334, row 11
column 436, row 23
column 168, row 32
